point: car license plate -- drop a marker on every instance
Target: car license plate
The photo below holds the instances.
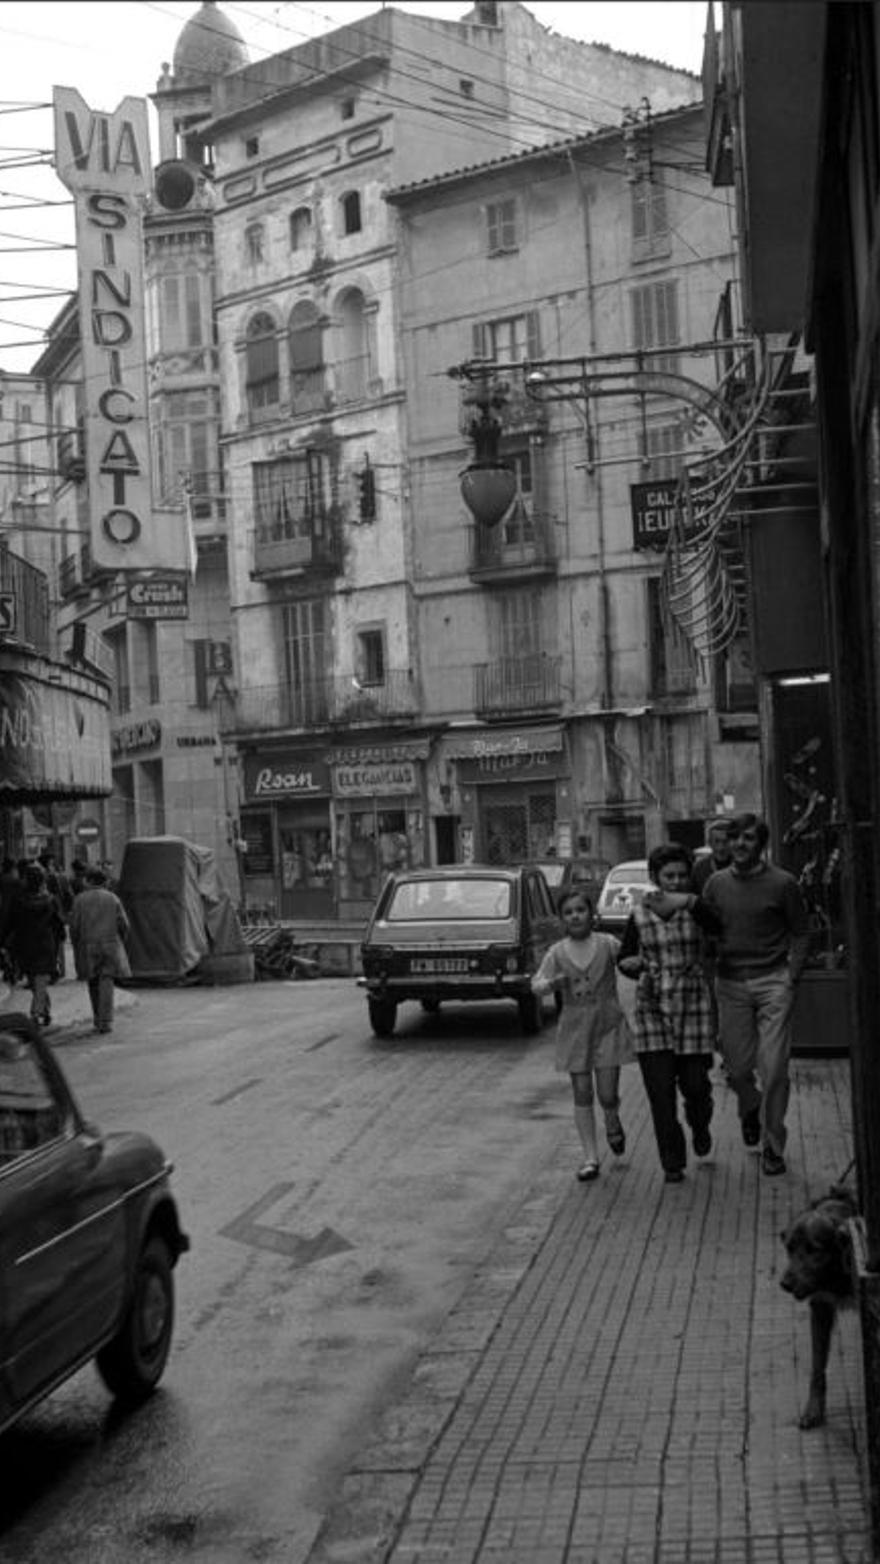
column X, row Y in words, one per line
column 438, row 964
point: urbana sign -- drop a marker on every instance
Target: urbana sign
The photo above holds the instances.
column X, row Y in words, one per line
column 104, row 160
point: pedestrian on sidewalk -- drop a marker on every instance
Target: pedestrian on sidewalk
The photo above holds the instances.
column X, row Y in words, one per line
column 663, row 948
column 720, row 844
column 593, row 1039
column 762, row 950
column 31, row 933
column 98, row 931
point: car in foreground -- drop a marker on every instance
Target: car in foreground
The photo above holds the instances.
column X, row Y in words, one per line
column 89, row 1238
column 464, row 932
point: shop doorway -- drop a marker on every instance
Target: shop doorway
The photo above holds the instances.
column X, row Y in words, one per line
column 514, row 830
column 446, row 838
column 306, row 862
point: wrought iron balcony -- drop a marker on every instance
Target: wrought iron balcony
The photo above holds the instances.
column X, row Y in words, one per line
column 331, row 702
column 518, row 685
column 297, row 549
column 30, row 590
column 520, row 548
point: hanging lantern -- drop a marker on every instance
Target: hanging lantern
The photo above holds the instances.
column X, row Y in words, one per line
column 488, row 490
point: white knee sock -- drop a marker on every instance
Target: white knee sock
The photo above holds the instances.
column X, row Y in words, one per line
column 585, row 1124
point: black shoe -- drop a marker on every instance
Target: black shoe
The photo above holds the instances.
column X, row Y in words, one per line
column 702, row 1143
column 771, row 1162
column 674, row 1175
column 751, row 1127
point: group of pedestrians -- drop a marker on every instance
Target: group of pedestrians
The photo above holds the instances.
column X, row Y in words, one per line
column 716, row 954
column 39, row 904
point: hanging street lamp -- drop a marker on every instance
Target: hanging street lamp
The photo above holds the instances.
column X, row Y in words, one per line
column 488, row 484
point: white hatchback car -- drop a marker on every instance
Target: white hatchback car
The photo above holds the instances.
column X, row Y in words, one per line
column 624, row 887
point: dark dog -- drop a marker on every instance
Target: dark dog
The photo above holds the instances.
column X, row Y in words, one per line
column 820, row 1270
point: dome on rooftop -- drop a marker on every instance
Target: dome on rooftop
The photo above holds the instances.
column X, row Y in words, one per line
column 209, row 46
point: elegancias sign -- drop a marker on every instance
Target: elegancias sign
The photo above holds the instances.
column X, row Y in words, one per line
column 104, row 160
column 369, row 781
column 136, row 736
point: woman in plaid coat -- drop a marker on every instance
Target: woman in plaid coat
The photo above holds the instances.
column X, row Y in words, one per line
column 674, row 1027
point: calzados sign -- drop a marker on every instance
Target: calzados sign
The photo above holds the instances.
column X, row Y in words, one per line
column 104, row 159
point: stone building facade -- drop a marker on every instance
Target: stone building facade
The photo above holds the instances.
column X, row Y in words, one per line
column 344, row 684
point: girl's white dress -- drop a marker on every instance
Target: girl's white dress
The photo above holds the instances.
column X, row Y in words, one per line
column 592, row 1032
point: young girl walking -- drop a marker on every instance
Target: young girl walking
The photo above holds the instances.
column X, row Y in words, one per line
column 592, row 1036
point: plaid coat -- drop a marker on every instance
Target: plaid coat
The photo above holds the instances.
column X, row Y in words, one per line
column 673, row 1003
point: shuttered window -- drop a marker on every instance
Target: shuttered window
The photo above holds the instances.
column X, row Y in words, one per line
column 261, row 377
column 501, row 227
column 650, row 218
column 509, row 340
column 655, row 321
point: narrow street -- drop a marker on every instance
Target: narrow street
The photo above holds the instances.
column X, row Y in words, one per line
column 338, row 1192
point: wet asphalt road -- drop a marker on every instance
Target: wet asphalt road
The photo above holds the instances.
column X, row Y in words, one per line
column 338, row 1191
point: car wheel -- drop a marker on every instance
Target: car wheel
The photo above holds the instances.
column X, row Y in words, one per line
column 131, row 1364
column 530, row 1013
column 383, row 1014
column 430, row 1006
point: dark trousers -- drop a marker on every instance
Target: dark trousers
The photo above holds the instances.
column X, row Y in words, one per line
column 662, row 1072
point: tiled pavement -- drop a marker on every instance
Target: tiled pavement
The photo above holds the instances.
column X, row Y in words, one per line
column 621, row 1380
column 620, row 1383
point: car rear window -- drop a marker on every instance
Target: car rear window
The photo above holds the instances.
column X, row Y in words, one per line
column 452, row 899
column 625, row 877
column 553, row 873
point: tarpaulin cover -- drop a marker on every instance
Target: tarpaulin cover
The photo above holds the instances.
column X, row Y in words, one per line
column 177, row 908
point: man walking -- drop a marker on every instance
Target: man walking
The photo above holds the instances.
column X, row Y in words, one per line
column 98, row 928
column 762, row 949
column 718, row 841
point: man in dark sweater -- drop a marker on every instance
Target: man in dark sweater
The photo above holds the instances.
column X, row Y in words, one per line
column 762, row 949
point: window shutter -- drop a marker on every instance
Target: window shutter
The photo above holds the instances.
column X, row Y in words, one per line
column 533, row 335
column 638, row 318
column 478, row 342
column 639, row 214
column 494, row 235
column 659, row 213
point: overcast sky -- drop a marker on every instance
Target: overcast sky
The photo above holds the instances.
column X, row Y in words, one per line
column 108, row 51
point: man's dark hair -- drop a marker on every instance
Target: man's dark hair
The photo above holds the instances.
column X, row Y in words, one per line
column 95, row 876
column 666, row 853
column 746, row 822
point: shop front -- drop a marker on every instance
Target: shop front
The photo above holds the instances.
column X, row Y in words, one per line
column 54, row 750
column 514, row 788
column 286, row 829
column 378, row 798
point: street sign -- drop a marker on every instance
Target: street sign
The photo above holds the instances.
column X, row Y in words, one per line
column 7, row 613
column 88, row 830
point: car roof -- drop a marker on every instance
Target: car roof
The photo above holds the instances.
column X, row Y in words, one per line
column 455, row 871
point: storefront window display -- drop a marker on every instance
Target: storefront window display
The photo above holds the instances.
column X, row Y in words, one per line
column 375, row 838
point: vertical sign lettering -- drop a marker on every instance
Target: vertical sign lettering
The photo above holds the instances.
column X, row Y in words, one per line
column 104, row 160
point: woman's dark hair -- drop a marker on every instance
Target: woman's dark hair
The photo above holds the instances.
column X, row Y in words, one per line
column 569, row 895
column 666, row 853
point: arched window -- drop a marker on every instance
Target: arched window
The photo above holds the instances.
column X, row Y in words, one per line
column 261, row 375
column 306, row 359
column 351, row 212
column 300, row 228
column 354, row 364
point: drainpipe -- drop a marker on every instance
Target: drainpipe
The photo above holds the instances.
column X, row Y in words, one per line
column 592, row 449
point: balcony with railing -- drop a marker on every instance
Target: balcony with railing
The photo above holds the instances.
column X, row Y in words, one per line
column 30, row 591
column 523, row 547
column 518, row 686
column 300, row 544
column 329, row 702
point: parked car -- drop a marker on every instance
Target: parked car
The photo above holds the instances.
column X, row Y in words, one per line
column 560, row 873
column 624, row 887
column 461, row 932
column 89, row 1237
